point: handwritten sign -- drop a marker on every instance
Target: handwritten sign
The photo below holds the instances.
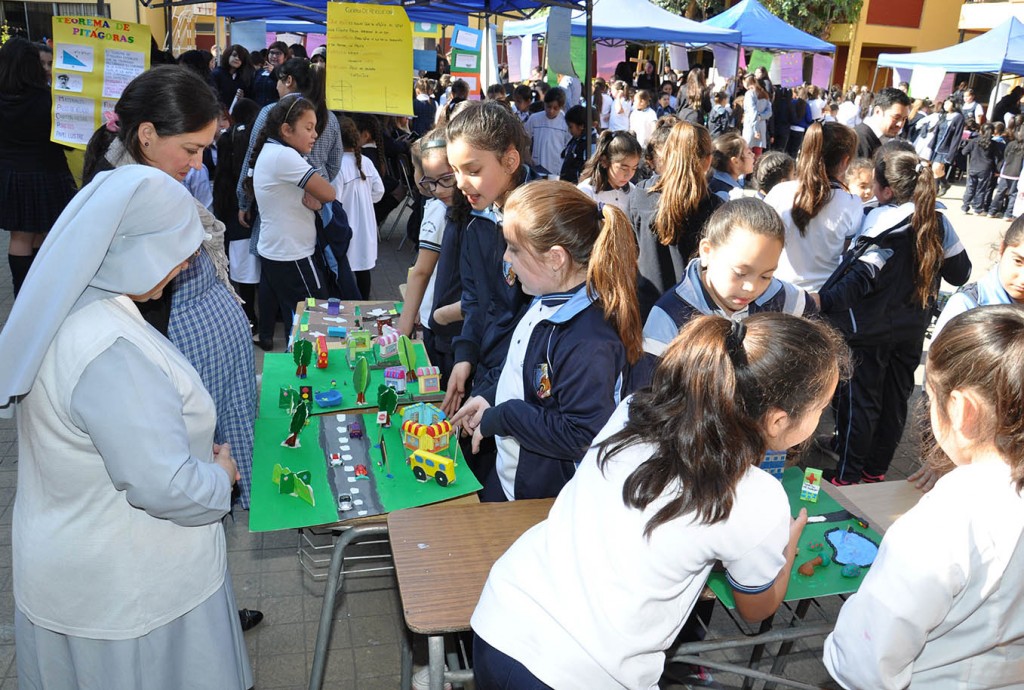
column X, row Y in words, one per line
column 369, row 58
column 94, row 59
column 791, row 67
column 821, row 70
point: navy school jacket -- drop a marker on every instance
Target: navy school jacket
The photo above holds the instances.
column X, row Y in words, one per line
column 689, row 299
column 447, row 284
column 574, row 374
column 870, row 297
column 492, row 299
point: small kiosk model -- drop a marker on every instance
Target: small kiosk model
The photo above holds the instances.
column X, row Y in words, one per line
column 424, row 427
column 358, row 341
column 430, row 379
column 394, row 377
column 388, row 343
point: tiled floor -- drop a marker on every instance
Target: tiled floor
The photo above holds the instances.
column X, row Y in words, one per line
column 364, row 646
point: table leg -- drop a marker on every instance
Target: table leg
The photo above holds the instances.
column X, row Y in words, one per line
column 435, row 646
column 787, row 646
column 406, row 660
column 334, row 583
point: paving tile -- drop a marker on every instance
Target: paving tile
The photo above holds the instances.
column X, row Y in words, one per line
column 282, row 671
column 374, row 630
column 341, row 635
column 281, row 638
column 379, row 660
column 281, row 609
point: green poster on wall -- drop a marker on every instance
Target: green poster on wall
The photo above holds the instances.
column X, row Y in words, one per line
column 578, row 54
column 759, row 58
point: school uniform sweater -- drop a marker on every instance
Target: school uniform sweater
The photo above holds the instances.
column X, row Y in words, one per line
column 1013, row 160
column 574, row 157
column 662, row 266
column 989, row 290
column 870, row 297
column 447, row 284
column 690, row 298
column 572, row 378
column 981, row 160
column 725, row 186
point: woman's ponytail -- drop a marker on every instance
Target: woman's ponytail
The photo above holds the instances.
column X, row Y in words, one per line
column 611, row 276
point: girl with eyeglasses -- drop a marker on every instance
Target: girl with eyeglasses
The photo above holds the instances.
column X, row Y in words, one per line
column 436, row 180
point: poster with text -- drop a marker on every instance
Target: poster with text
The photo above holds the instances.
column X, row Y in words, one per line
column 94, row 59
column 369, row 58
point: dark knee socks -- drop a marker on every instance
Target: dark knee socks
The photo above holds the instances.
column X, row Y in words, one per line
column 19, row 269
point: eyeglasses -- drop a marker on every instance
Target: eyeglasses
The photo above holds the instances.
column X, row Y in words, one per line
column 430, row 185
column 274, row 52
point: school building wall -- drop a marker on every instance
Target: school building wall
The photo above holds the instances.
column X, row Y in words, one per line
column 892, row 26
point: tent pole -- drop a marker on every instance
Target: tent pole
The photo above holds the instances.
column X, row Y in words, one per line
column 874, row 78
column 588, row 90
column 993, row 96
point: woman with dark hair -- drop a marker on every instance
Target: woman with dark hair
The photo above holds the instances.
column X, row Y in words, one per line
column 35, row 182
column 233, row 75
column 165, row 118
column 648, row 79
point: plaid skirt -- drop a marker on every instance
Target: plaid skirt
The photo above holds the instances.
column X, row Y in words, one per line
column 32, row 201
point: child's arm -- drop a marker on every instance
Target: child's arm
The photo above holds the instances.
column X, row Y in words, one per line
column 857, row 283
column 449, row 313
column 583, row 383
column 956, row 265
column 373, row 177
column 756, row 607
column 319, row 188
column 419, row 276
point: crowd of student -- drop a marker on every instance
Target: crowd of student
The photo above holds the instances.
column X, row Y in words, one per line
column 631, row 338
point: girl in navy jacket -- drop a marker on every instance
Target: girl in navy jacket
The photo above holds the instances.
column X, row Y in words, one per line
column 881, row 297
column 487, row 149
column 568, row 362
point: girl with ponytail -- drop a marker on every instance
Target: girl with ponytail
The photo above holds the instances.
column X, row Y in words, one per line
column 881, row 297
column 594, row 595
column 820, row 214
column 572, row 350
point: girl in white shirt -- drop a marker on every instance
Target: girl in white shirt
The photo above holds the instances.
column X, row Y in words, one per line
column 606, row 176
column 289, row 191
column 820, row 213
column 940, row 607
column 359, row 186
column 593, row 596
column 622, row 106
column 643, row 119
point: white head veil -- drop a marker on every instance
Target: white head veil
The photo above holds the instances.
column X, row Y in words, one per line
column 121, row 234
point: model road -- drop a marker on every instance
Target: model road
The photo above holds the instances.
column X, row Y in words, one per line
column 334, row 438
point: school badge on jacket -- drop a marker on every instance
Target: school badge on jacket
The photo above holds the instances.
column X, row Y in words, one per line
column 542, row 381
column 509, row 273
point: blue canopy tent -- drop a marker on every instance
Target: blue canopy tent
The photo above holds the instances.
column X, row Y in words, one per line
column 316, row 11
column 999, row 50
column 762, row 29
column 287, row 26
column 631, row 20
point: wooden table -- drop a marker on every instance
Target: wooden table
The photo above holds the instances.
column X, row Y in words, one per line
column 443, row 554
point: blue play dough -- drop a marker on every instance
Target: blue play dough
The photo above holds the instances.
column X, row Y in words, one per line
column 851, row 548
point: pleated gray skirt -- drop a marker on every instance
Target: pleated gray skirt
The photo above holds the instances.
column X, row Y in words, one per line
column 202, row 650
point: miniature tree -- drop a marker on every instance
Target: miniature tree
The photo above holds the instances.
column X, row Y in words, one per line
column 361, row 379
column 299, row 417
column 387, row 401
column 407, row 356
column 302, row 353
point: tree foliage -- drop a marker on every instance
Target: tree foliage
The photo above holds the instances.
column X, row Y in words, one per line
column 813, row 16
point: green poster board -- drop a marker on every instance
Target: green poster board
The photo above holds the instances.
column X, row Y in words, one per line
column 826, row 580
column 578, row 54
column 271, row 510
column 759, row 58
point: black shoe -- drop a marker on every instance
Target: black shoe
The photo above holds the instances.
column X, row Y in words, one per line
column 265, row 345
column 250, row 618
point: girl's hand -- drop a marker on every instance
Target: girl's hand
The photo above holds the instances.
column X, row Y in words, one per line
column 817, row 300
column 311, row 203
column 222, row 457
column 471, row 414
column 796, row 528
column 456, row 388
column 477, row 439
column 924, row 479
column 407, row 323
column 243, row 219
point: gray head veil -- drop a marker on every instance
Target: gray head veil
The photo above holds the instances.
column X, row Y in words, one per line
column 121, row 234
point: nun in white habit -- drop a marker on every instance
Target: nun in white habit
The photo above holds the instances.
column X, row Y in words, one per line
column 120, row 567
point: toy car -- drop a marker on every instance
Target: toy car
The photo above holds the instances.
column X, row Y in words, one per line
column 355, row 430
column 361, row 472
column 335, row 459
column 344, row 503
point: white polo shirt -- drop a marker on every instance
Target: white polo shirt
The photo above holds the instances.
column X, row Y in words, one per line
column 287, row 228
column 431, row 234
column 585, row 600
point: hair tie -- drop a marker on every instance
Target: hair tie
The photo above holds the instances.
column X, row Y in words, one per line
column 734, row 343
column 113, row 122
column 600, row 211
column 427, row 144
column 919, row 167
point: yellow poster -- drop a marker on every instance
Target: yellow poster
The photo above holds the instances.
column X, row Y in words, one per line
column 94, row 58
column 369, row 59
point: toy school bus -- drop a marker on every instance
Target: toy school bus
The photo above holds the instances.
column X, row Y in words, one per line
column 321, row 352
column 425, row 464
